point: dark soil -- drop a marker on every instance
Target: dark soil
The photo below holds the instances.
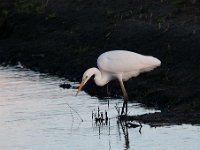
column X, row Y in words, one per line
column 65, row 37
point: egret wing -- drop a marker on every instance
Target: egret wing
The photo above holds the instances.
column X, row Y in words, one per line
column 120, row 61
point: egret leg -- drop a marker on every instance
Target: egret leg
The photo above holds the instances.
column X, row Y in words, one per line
column 108, row 93
column 125, row 104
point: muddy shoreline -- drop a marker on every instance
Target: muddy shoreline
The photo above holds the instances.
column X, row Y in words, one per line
column 66, row 38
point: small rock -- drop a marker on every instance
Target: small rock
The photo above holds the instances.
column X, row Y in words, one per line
column 65, row 86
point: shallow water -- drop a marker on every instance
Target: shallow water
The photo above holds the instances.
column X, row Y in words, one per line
column 36, row 114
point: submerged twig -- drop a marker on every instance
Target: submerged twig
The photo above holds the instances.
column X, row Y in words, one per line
column 118, row 109
column 100, row 118
column 75, row 112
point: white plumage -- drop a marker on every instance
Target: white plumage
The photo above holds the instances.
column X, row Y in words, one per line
column 120, row 65
column 127, row 63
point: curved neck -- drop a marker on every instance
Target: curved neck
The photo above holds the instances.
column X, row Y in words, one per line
column 100, row 78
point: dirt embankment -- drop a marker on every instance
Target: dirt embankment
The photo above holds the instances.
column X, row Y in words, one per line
column 66, row 37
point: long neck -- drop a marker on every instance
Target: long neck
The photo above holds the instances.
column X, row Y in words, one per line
column 100, row 78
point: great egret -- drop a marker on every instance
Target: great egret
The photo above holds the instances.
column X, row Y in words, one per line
column 120, row 65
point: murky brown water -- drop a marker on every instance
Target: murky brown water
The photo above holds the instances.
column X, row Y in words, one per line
column 36, row 114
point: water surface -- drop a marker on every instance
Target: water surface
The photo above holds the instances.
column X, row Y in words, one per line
column 36, row 114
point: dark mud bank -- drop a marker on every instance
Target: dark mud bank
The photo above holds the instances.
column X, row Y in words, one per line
column 65, row 38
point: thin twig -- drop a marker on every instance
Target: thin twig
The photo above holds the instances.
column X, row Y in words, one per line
column 118, row 109
column 75, row 111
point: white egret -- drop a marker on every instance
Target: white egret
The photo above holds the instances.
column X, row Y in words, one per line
column 120, row 65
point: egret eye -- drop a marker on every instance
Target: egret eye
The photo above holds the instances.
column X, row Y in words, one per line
column 86, row 77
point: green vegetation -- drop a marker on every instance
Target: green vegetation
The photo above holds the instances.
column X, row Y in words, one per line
column 86, row 49
column 28, row 7
column 178, row 2
column 5, row 13
column 52, row 15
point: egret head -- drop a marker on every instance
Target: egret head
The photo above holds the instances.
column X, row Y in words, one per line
column 86, row 76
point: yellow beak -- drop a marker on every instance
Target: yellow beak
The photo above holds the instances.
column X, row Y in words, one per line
column 81, row 85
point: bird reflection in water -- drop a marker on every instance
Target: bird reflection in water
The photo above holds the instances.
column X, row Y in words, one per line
column 125, row 133
column 122, row 124
column 125, row 125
